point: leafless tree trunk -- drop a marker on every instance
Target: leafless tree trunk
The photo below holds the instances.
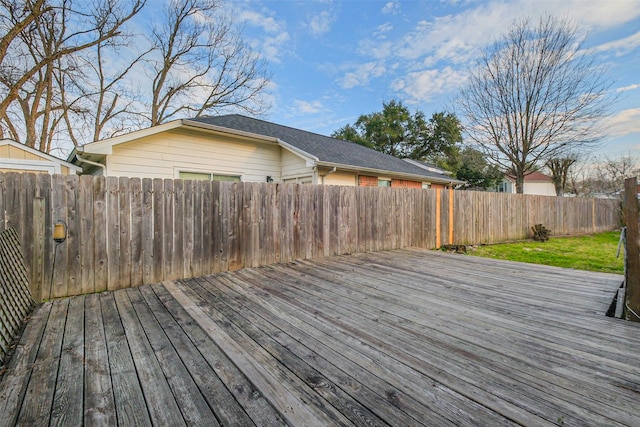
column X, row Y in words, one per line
column 534, row 95
column 42, row 39
column 55, row 86
column 559, row 167
column 199, row 65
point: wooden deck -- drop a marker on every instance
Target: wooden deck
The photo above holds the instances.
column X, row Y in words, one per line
column 400, row 338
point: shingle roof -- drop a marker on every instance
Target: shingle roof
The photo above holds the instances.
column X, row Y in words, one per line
column 326, row 149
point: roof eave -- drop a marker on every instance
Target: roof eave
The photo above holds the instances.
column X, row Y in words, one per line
column 42, row 154
column 105, row 146
column 431, row 179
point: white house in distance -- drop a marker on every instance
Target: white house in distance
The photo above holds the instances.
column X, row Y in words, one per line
column 238, row 148
column 534, row 183
column 17, row 157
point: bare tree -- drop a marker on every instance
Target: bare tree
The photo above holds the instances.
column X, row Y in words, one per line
column 534, row 94
column 612, row 172
column 102, row 100
column 201, row 65
column 560, row 167
column 41, row 42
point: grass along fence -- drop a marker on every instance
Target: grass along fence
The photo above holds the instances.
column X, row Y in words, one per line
column 126, row 232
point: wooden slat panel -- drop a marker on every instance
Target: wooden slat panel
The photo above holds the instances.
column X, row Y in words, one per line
column 197, row 256
column 36, row 405
column 124, row 211
column 207, row 266
column 100, row 263
column 127, row 391
column 73, row 264
column 188, row 222
column 99, row 406
column 16, row 380
column 28, row 189
column 59, row 212
column 137, row 236
column 147, row 232
column 68, row 401
column 169, row 217
column 224, row 378
column 87, row 236
column 113, row 233
column 160, row 235
column 159, row 401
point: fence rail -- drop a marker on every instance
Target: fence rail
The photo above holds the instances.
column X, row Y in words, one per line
column 128, row 231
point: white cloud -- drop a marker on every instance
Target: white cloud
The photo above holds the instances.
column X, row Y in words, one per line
column 594, row 14
column 456, row 40
column 421, row 86
column 619, row 47
column 627, row 88
column 459, row 37
column 362, row 74
column 382, row 30
column 391, row 8
column 308, row 107
column 267, row 23
column 271, row 43
column 624, row 123
column 321, row 23
column 379, row 50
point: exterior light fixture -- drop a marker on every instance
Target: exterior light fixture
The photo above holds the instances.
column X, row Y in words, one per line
column 59, row 236
column 60, row 232
column 269, row 178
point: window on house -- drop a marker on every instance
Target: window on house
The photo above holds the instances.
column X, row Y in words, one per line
column 503, row 187
column 201, row 176
column 384, row 183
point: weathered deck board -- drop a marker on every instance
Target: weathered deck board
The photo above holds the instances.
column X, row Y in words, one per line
column 407, row 337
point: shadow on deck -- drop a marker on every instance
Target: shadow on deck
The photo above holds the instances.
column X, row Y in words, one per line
column 406, row 337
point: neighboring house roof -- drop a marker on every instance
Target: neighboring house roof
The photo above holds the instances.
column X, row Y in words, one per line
column 532, row 177
column 46, row 162
column 328, row 151
column 315, row 148
column 429, row 166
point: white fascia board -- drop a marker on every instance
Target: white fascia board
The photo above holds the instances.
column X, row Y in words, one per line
column 310, row 159
column 436, row 180
column 31, row 165
column 105, row 146
column 38, row 153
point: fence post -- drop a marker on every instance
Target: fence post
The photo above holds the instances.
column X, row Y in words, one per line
column 37, row 262
column 438, row 219
column 632, row 300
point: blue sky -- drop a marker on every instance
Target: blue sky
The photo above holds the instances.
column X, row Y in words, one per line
column 332, row 61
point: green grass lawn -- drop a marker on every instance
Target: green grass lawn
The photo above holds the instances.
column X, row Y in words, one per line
column 594, row 253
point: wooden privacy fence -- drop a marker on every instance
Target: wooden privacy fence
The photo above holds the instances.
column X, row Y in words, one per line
column 128, row 231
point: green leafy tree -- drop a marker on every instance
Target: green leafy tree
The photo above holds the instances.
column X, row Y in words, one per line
column 396, row 131
column 476, row 171
column 441, row 143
